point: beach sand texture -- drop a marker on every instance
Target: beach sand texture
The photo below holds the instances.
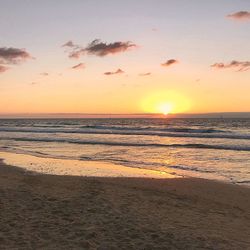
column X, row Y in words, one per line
column 70, row 212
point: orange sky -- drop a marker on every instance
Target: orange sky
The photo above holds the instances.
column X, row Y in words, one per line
column 148, row 61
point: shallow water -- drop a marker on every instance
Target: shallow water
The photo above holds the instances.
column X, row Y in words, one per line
column 208, row 148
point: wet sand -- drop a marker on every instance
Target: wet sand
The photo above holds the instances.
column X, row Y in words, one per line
column 70, row 212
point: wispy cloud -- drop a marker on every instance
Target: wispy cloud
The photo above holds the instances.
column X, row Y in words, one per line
column 145, row 74
column 239, row 66
column 240, row 15
column 118, row 71
column 98, row 48
column 3, row 68
column 169, row 62
column 44, row 74
column 69, row 44
column 79, row 66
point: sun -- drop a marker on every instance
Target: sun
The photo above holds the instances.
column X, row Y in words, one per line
column 165, row 102
column 165, row 108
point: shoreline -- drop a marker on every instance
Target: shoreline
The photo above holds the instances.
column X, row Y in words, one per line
column 75, row 212
column 70, row 167
column 43, row 164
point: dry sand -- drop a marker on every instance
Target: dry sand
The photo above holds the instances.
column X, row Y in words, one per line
column 70, row 212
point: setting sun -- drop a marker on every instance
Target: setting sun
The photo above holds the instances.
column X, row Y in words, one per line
column 165, row 108
column 166, row 103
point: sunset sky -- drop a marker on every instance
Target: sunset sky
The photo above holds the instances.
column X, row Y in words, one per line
column 152, row 56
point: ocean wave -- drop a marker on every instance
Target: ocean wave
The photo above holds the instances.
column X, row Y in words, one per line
column 170, row 129
column 157, row 166
column 128, row 144
column 189, row 168
column 173, row 133
column 125, row 128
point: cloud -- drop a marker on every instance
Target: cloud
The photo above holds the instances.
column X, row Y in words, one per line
column 118, row 71
column 13, row 55
column 240, row 15
column 169, row 62
column 69, row 44
column 79, row 66
column 3, row 68
column 98, row 48
column 239, row 66
column 145, row 74
column 76, row 53
column 44, row 74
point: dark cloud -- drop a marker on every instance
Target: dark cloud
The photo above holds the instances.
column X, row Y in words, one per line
column 118, row 71
column 3, row 68
column 241, row 15
column 145, row 74
column 169, row 62
column 79, row 66
column 98, row 48
column 13, row 55
column 239, row 66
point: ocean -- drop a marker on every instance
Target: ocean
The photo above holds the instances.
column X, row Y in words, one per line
column 209, row 148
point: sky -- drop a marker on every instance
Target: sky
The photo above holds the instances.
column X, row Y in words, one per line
column 124, row 57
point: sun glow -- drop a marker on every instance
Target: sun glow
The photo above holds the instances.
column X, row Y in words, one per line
column 168, row 102
column 165, row 108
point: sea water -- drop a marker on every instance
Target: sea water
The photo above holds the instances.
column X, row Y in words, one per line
column 208, row 148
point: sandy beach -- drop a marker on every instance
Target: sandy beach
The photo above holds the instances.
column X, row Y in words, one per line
column 124, row 125
column 70, row 212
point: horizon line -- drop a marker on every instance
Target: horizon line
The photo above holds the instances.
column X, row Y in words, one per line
column 127, row 115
